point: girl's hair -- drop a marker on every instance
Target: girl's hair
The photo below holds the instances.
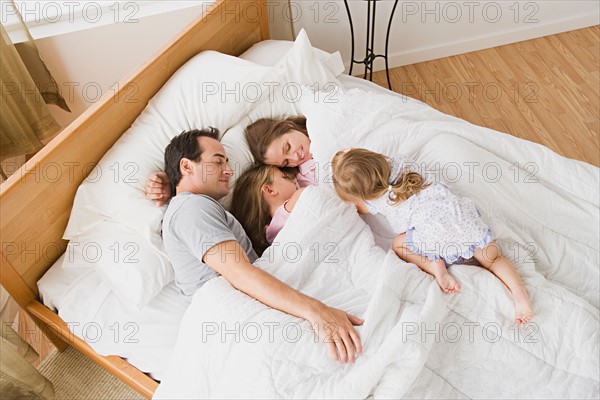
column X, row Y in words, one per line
column 363, row 174
column 248, row 205
column 261, row 133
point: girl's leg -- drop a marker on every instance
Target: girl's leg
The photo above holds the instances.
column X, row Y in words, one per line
column 491, row 259
column 447, row 282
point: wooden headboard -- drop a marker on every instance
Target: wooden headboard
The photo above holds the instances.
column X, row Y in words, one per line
column 36, row 201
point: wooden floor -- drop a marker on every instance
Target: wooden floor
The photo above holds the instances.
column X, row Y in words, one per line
column 546, row 90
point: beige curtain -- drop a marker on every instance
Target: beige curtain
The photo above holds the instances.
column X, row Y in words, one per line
column 27, row 86
column 18, row 378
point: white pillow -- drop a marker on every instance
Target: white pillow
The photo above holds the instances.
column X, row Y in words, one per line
column 135, row 270
column 270, row 52
column 349, row 118
column 240, row 157
column 194, row 97
column 301, row 67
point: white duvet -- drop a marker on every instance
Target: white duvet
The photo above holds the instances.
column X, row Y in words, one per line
column 418, row 342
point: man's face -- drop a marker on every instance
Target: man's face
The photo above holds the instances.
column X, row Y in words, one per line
column 210, row 176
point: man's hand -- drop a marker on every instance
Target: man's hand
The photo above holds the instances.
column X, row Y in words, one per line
column 335, row 328
column 158, row 188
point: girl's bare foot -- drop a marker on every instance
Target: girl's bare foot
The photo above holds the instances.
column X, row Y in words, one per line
column 447, row 282
column 523, row 311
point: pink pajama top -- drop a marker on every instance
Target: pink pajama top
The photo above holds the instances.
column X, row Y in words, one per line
column 307, row 176
column 277, row 222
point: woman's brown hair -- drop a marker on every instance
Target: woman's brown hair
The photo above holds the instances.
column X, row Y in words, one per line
column 363, row 174
column 261, row 133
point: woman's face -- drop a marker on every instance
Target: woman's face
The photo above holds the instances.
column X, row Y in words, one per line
column 289, row 150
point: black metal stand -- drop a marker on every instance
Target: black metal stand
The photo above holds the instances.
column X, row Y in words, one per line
column 370, row 55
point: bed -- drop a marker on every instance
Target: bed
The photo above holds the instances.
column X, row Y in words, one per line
column 418, row 342
column 124, row 306
column 36, row 206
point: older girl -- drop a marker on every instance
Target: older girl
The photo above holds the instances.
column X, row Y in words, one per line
column 262, row 201
column 434, row 227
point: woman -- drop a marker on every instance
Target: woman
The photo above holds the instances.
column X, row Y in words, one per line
column 279, row 142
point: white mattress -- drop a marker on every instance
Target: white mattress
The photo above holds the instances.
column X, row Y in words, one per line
column 144, row 338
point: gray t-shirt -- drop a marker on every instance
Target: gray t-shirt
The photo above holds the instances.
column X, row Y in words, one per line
column 192, row 225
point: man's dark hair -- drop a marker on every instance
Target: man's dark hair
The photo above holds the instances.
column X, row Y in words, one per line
column 185, row 145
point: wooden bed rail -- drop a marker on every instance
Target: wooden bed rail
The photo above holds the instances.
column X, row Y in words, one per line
column 57, row 331
column 36, row 201
column 54, row 326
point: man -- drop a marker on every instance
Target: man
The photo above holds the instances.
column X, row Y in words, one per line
column 203, row 240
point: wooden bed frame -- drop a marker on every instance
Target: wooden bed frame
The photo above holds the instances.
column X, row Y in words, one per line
column 36, row 201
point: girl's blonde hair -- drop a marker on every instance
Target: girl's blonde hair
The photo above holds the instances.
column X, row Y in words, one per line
column 248, row 205
column 363, row 174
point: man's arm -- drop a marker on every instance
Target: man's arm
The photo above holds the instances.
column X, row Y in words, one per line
column 228, row 259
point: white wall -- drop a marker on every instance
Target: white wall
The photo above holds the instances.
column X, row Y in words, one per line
column 90, row 62
column 426, row 30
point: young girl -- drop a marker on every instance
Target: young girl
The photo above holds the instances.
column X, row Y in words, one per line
column 434, row 227
column 263, row 198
